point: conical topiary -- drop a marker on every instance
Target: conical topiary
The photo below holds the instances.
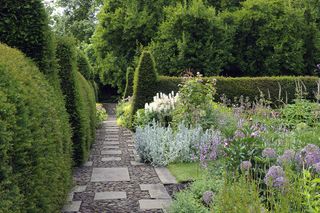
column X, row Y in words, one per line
column 145, row 79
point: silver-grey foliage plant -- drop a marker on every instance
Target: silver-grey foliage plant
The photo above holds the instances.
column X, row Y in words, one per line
column 161, row 145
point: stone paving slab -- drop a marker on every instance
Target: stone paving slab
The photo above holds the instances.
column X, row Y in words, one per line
column 110, row 195
column 79, row 188
column 135, row 163
column 110, row 174
column 111, row 159
column 73, row 206
column 147, row 204
column 111, row 152
column 111, row 143
column 88, row 164
column 156, row 191
column 111, row 147
column 165, row 175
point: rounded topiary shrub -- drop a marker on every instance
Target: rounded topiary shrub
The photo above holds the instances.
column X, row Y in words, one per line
column 145, row 79
column 24, row 25
column 76, row 94
column 35, row 138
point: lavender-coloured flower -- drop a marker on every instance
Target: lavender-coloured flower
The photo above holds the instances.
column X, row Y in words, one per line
column 269, row 153
column 207, row 197
column 312, row 158
column 308, row 156
column 239, row 134
column 279, row 182
column 316, row 168
column 311, row 148
column 274, row 173
column 287, row 157
column 245, row 165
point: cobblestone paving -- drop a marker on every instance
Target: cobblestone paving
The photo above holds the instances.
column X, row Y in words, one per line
column 112, row 180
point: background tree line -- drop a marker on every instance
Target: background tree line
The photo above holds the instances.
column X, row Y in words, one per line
column 214, row 37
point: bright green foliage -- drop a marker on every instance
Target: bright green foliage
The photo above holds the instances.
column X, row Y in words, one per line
column 145, row 78
column 123, row 114
column 123, row 26
column 24, row 25
column 101, row 114
column 271, row 38
column 35, row 139
column 84, row 66
column 191, row 37
column 80, row 100
column 78, row 20
column 129, row 82
column 195, row 103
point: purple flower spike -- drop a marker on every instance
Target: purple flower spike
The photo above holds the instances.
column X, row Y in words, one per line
column 245, row 165
column 269, row 153
column 207, row 197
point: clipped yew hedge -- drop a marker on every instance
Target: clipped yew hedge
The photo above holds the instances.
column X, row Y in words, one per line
column 79, row 98
column 25, row 26
column 35, row 138
column 245, row 86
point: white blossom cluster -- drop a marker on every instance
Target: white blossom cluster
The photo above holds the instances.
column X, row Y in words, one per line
column 162, row 103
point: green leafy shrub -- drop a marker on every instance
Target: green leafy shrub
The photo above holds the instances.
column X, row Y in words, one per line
column 101, row 114
column 79, row 97
column 195, row 103
column 145, row 78
column 35, row 138
column 129, row 82
column 123, row 112
column 25, row 25
column 302, row 111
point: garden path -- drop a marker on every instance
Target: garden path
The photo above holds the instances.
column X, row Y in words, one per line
column 113, row 180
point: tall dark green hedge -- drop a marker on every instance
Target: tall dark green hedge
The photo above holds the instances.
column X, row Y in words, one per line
column 35, row 139
column 24, row 25
column 76, row 96
column 145, row 78
column 244, row 86
column 84, row 66
column 129, row 82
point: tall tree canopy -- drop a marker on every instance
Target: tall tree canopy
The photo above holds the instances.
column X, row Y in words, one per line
column 124, row 25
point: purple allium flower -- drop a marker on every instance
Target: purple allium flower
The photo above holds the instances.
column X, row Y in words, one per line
column 316, row 168
column 308, row 156
column 207, row 197
column 279, row 182
column 312, row 158
column 239, row 134
column 318, row 66
column 310, row 148
column 245, row 165
column 273, row 175
column 287, row 157
column 269, row 153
